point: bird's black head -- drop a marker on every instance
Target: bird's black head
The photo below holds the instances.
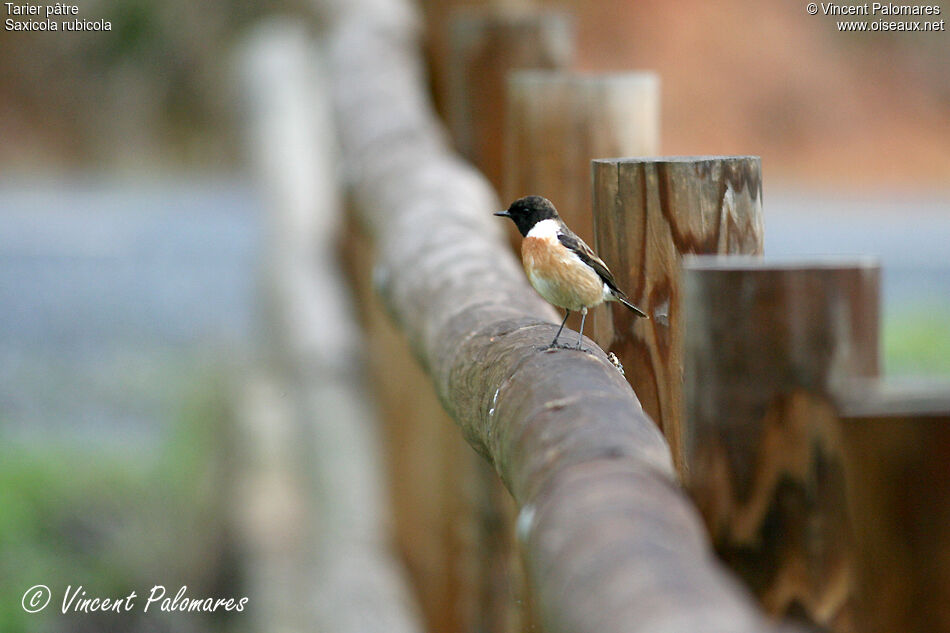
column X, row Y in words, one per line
column 528, row 211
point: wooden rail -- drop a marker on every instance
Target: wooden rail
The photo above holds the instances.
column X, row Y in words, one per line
column 307, row 487
column 820, row 484
column 610, row 541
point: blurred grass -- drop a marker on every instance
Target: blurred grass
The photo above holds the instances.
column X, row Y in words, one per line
column 114, row 521
column 916, row 340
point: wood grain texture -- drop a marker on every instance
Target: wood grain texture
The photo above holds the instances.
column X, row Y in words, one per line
column 485, row 45
column 897, row 469
column 437, row 17
column 558, row 122
column 766, row 348
column 444, row 500
column 610, row 541
column 648, row 213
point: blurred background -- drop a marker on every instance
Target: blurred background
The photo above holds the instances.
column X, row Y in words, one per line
column 131, row 245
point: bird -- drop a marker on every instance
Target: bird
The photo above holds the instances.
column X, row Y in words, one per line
column 561, row 267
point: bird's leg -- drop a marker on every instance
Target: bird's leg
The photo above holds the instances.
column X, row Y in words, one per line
column 554, row 342
column 581, row 335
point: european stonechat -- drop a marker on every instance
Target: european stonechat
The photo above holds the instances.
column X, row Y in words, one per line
column 561, row 267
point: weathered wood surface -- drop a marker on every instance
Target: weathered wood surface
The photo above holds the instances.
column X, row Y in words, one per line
column 897, row 468
column 308, row 488
column 435, row 18
column 767, row 345
column 611, row 542
column 434, row 479
column 648, row 213
column 443, row 496
column 558, row 122
column 486, row 44
column 451, row 535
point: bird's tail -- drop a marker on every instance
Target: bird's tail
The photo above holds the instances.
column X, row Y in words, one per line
column 622, row 299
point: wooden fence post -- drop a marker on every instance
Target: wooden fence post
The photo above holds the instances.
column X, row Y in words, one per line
column 486, row 44
column 897, row 469
column 309, row 491
column 558, row 122
column 648, row 213
column 611, row 542
column 766, row 349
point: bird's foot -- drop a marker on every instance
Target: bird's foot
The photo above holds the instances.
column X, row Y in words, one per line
column 556, row 346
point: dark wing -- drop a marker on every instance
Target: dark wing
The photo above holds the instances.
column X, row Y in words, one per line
column 566, row 237
column 577, row 246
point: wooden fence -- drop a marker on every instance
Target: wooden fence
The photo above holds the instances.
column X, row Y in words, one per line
column 765, row 435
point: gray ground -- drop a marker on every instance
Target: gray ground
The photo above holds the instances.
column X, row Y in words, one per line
column 114, row 298
column 910, row 234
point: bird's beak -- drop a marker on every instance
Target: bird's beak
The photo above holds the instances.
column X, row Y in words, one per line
column 503, row 214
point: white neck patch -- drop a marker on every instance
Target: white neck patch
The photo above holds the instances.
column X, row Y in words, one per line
column 545, row 230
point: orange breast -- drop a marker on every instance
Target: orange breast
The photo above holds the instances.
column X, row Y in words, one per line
column 560, row 276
